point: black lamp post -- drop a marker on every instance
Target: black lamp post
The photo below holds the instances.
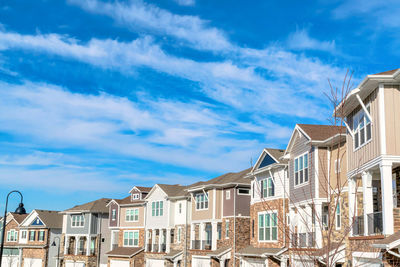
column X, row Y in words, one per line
column 58, row 254
column 19, row 210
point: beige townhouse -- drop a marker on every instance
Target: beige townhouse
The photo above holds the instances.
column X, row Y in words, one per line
column 372, row 113
column 127, row 225
column 220, row 220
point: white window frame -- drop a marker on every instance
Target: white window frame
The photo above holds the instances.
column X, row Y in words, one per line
column 157, row 208
column 271, row 227
column 304, row 169
column 338, row 215
column 132, row 215
column 357, row 127
column 179, row 235
column 39, row 233
column 30, row 236
column 113, row 214
column 337, row 165
column 135, row 196
column 244, row 194
column 180, row 208
column 79, row 222
column 201, row 201
column 128, row 232
column 228, row 194
column 227, row 225
column 12, row 235
column 267, row 187
column 21, row 236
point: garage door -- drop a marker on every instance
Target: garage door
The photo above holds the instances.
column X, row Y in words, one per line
column 74, row 264
column 30, row 262
column 199, row 262
column 253, row 263
column 119, row 263
column 10, row 261
column 367, row 262
column 154, row 263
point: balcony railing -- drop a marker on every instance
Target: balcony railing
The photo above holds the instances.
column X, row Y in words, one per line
column 302, row 240
column 311, row 239
column 155, row 248
column 81, row 252
column 375, row 223
column 196, row 244
column 294, row 240
column 163, row 248
column 358, row 226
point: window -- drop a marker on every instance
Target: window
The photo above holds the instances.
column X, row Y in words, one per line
column 32, row 235
column 243, row 191
column 252, row 228
column 337, row 165
column 41, row 235
column 131, row 238
column 180, row 208
column 301, row 169
column 267, row 187
column 288, row 219
column 12, row 236
column 228, row 194
column 132, row 215
column 78, row 221
column 201, row 201
column 219, row 231
column 23, row 234
column 135, row 196
column 227, row 229
column 338, row 216
column 267, row 226
column 113, row 214
column 178, row 238
column 361, row 128
column 157, row 208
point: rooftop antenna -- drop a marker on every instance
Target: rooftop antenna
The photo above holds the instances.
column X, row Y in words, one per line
column 251, row 162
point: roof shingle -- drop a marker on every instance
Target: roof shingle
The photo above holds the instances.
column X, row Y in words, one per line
column 321, row 132
column 99, row 205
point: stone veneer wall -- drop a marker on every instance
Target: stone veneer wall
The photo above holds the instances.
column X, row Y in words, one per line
column 36, row 253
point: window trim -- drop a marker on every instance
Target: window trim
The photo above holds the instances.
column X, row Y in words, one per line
column 157, row 210
column 127, row 217
column 205, row 200
column 21, row 238
column 133, row 238
column 368, row 107
column 228, row 194
column 82, row 223
column 338, row 208
column 265, row 181
column 44, row 234
column 113, row 214
column 179, row 235
column 337, row 165
column 243, row 194
column 30, row 235
column 308, row 170
column 264, row 213
column 10, row 233
column 227, row 229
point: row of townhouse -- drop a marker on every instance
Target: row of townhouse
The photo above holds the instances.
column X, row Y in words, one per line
column 331, row 197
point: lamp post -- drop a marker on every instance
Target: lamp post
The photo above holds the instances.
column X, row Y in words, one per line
column 19, row 210
column 58, row 253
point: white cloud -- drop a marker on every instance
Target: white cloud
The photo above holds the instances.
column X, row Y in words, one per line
column 140, row 15
column 301, row 40
column 185, row 2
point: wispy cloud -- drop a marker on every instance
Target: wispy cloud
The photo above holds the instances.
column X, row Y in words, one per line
column 301, row 40
column 185, row 2
column 140, row 15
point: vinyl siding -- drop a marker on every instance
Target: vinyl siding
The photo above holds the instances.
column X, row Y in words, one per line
column 203, row 214
column 114, row 206
column 124, row 223
column 323, row 172
column 392, row 117
column 372, row 149
column 342, row 175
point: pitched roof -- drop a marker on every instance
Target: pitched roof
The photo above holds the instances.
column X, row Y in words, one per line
column 277, row 154
column 19, row 217
column 125, row 251
column 389, row 72
column 128, row 200
column 252, row 251
column 227, row 178
column 174, row 190
column 219, row 252
column 173, row 254
column 388, row 240
column 51, row 218
column 144, row 189
column 98, row 205
column 321, row 132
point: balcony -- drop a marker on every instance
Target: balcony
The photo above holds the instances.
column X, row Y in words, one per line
column 375, row 223
column 163, row 248
column 81, row 252
column 155, row 248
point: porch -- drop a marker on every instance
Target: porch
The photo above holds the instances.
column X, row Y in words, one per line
column 80, row 245
column 204, row 235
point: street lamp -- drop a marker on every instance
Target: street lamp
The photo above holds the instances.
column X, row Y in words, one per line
column 19, row 210
column 58, row 254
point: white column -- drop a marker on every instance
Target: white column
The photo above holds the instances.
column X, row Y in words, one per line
column 352, row 201
column 283, row 262
column 66, row 246
column 146, row 240
column 214, row 235
column 160, row 239
column 318, row 224
column 168, row 245
column 367, row 198
column 153, row 240
column 77, row 239
column 192, row 234
column 202, row 231
column 222, row 263
column 387, row 197
column 88, row 240
column 175, row 263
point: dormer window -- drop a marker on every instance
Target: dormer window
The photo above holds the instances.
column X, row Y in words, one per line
column 361, row 128
column 135, row 196
column 301, row 169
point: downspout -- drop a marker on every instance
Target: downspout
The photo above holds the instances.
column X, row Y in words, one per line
column 99, row 252
column 284, row 207
column 234, row 226
column 186, row 232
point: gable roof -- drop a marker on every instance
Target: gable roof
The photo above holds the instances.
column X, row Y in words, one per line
column 175, row 190
column 321, row 132
column 225, row 179
column 99, row 205
column 142, row 189
column 389, row 72
column 51, row 218
column 128, row 200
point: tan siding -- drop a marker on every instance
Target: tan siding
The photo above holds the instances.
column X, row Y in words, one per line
column 392, row 119
column 218, row 211
column 372, row 149
column 124, row 223
column 203, row 214
column 338, row 152
column 323, row 171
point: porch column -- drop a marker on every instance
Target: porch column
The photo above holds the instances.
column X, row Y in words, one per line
column 387, row 197
column 318, row 223
column 222, row 263
column 160, row 239
column 202, row 232
column 66, row 246
column 77, row 241
column 352, row 202
column 283, row 262
column 192, row 235
column 367, row 198
column 168, row 245
column 175, row 263
column 146, row 241
column 153, row 240
column 88, row 241
column 214, row 235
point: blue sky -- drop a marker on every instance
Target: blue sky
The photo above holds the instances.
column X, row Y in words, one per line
column 98, row 96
